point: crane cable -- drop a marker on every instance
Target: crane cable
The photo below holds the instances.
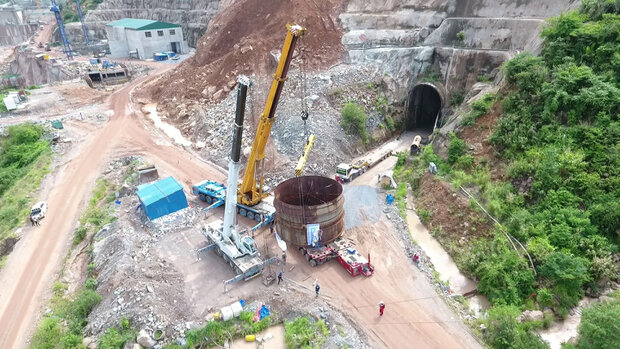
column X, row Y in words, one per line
column 303, row 88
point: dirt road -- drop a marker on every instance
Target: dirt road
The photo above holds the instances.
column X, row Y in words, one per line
column 31, row 268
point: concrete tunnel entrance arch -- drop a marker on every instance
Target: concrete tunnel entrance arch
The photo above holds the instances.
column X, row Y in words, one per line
column 424, row 106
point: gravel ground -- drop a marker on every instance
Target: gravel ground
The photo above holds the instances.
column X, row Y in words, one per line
column 361, row 205
column 209, row 126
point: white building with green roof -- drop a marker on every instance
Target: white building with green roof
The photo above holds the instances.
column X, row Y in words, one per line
column 142, row 38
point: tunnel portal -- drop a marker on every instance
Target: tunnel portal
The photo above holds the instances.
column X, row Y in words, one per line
column 423, row 107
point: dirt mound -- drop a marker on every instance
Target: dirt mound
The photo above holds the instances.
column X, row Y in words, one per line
column 478, row 135
column 450, row 212
column 240, row 39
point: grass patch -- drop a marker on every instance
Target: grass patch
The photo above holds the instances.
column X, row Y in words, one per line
column 63, row 326
column 304, row 333
column 218, row 332
column 24, row 160
column 478, row 108
column 98, row 213
column 354, row 121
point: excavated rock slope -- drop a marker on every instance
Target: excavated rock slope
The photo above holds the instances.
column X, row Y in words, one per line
column 193, row 16
column 404, row 38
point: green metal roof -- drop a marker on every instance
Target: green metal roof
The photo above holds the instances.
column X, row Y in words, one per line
column 142, row 24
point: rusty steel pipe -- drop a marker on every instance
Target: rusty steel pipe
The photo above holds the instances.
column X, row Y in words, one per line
column 309, row 200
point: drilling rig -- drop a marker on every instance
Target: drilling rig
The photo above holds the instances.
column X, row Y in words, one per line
column 61, row 28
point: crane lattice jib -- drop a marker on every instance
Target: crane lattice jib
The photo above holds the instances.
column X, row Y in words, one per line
column 84, row 29
column 251, row 189
column 61, row 28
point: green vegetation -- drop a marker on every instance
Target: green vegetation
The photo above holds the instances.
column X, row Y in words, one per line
column 457, row 98
column 478, row 108
column 559, row 127
column 98, row 212
column 503, row 330
column 354, row 121
column 600, row 328
column 460, row 36
column 63, row 327
column 116, row 337
column 69, row 12
column 304, row 333
column 218, row 332
column 24, row 160
column 558, row 135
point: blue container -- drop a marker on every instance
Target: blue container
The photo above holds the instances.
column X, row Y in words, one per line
column 160, row 56
column 162, row 197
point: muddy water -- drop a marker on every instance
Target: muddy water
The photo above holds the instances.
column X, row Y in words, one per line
column 443, row 263
column 562, row 331
column 275, row 342
column 168, row 129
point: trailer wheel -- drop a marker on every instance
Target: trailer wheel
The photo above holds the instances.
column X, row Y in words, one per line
column 209, row 200
column 303, row 252
column 218, row 251
column 250, row 215
column 243, row 212
column 257, row 218
column 202, row 197
column 313, row 262
column 308, row 257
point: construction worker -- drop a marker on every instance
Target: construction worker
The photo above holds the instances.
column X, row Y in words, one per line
column 317, row 288
column 381, row 308
column 280, row 276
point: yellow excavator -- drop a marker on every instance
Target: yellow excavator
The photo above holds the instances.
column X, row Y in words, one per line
column 250, row 191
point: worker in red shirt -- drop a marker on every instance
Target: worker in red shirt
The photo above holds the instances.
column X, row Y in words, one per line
column 381, row 308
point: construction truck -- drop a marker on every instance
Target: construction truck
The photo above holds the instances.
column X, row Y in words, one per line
column 340, row 249
column 214, row 194
column 348, row 172
column 252, row 201
column 238, row 249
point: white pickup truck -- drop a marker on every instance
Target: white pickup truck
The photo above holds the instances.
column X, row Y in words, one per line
column 38, row 210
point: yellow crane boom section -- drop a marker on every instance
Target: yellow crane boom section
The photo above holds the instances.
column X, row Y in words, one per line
column 251, row 189
column 304, row 157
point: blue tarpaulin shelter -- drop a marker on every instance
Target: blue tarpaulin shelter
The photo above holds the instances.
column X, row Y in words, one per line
column 162, row 197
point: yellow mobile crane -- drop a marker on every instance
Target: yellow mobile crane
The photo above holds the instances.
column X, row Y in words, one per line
column 250, row 191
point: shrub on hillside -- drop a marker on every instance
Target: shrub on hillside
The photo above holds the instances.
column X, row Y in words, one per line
column 354, row 120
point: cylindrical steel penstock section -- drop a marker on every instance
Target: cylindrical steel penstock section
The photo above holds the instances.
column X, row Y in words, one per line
column 309, row 200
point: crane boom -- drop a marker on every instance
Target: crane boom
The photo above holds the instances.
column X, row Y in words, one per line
column 251, row 189
column 301, row 163
column 84, row 29
column 61, row 28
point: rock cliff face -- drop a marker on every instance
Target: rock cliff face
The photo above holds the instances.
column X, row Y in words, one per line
column 192, row 15
column 459, row 40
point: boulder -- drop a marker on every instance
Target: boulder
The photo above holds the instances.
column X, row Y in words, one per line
column 89, row 342
column 145, row 340
column 531, row 315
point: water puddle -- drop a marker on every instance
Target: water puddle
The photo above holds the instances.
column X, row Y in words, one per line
column 168, row 129
column 443, row 263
